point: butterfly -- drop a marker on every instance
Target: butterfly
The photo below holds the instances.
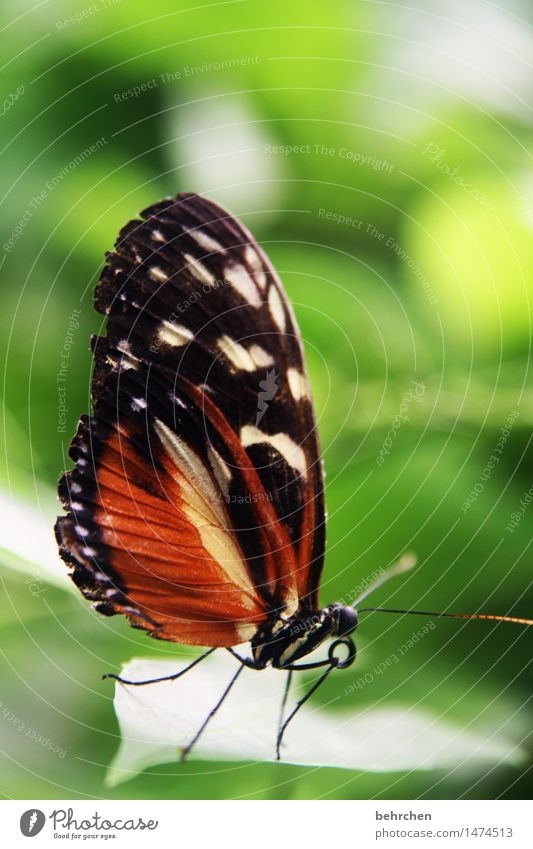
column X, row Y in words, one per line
column 195, row 507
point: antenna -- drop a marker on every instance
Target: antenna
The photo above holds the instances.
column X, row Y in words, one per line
column 516, row 619
column 404, row 564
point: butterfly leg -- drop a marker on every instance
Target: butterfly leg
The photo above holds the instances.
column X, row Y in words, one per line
column 246, row 661
column 299, row 704
column 283, row 706
column 164, row 677
column 332, row 662
column 210, row 715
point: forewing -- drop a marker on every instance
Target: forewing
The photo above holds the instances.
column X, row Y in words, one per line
column 202, row 359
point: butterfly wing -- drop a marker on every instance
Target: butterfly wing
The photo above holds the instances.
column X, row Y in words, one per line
column 196, row 503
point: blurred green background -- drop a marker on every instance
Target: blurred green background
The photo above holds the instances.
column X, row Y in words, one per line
column 383, row 157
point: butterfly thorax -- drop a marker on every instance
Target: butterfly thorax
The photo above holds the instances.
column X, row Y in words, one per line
column 281, row 642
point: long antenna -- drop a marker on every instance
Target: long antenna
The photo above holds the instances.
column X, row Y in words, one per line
column 516, row 619
column 406, row 562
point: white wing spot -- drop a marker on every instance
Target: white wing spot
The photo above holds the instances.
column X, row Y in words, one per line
column 276, row 308
column 157, row 274
column 128, row 359
column 199, row 270
column 238, row 277
column 174, row 334
column 205, row 241
column 157, row 236
column 242, row 358
column 138, row 404
column 178, row 401
column 297, row 384
column 236, row 354
column 261, row 358
column 282, row 442
column 257, row 266
column 103, row 579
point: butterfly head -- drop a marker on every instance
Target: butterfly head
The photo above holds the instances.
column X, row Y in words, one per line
column 344, row 620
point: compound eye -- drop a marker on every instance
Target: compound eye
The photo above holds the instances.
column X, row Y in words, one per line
column 347, row 622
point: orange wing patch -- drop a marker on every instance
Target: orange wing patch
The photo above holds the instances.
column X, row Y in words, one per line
column 171, row 544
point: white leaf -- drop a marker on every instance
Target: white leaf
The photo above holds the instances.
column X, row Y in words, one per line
column 28, row 544
column 158, row 720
